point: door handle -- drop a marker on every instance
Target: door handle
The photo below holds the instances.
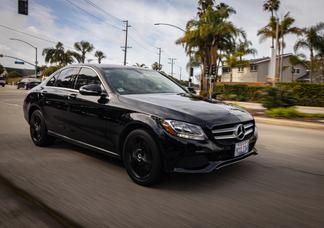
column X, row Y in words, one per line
column 72, row 96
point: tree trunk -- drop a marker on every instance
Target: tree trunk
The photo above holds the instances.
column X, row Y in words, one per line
column 311, row 65
column 281, row 59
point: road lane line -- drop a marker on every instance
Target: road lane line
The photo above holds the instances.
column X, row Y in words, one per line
column 17, row 105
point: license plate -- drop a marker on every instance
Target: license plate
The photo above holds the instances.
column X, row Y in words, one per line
column 241, row 148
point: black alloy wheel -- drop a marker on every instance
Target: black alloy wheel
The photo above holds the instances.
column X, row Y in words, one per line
column 38, row 131
column 141, row 158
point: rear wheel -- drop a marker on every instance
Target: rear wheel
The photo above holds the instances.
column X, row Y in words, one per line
column 38, row 131
column 141, row 158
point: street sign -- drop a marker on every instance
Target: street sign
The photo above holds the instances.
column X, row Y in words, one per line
column 19, row 62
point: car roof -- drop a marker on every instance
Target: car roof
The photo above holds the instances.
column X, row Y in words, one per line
column 101, row 66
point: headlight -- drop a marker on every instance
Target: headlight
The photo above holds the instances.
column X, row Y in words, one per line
column 184, row 130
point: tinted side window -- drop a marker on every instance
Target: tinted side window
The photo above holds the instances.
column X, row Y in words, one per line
column 86, row 77
column 66, row 78
column 52, row 80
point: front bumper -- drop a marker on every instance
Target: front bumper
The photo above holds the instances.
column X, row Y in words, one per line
column 215, row 165
column 190, row 156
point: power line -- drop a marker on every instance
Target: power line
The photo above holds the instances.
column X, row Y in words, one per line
column 34, row 36
column 102, row 10
column 27, row 34
column 119, row 19
column 98, row 18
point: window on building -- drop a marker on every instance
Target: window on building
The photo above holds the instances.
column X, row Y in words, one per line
column 240, row 69
column 253, row 68
column 296, row 70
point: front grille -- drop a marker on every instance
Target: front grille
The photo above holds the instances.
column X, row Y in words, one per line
column 228, row 133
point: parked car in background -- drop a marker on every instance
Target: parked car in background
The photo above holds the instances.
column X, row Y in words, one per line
column 144, row 118
column 28, row 83
column 2, row 81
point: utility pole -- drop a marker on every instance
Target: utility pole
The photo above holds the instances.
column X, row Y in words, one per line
column 180, row 68
column 126, row 38
column 172, row 63
column 160, row 51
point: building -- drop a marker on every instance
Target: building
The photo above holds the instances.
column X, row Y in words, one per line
column 258, row 71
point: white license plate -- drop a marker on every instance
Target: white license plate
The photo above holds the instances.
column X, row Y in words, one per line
column 241, row 148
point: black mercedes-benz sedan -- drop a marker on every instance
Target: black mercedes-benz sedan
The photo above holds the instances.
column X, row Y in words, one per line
column 140, row 116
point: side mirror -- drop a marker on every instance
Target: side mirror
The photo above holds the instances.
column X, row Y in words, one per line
column 91, row 90
column 191, row 90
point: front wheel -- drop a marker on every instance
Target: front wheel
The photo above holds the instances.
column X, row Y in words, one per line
column 141, row 157
column 38, row 131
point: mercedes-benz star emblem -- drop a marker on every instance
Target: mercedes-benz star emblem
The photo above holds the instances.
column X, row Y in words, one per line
column 239, row 132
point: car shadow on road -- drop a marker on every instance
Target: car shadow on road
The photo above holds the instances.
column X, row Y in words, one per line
column 176, row 181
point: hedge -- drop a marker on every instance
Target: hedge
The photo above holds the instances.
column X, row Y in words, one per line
column 305, row 94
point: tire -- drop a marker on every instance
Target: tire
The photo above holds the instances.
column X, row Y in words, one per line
column 38, row 131
column 142, row 158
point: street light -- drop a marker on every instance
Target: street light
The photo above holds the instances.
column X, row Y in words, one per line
column 171, row 26
column 177, row 27
column 8, row 56
column 35, row 53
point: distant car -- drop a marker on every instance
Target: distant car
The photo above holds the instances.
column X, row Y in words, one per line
column 2, row 81
column 28, row 83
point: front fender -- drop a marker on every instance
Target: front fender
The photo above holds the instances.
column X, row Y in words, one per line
column 140, row 120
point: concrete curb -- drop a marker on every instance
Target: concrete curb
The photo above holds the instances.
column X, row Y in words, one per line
column 290, row 123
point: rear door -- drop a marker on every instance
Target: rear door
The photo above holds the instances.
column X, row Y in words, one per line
column 55, row 97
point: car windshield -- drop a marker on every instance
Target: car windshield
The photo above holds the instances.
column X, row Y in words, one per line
column 140, row 81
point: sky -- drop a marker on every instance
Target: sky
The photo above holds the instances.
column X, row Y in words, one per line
column 70, row 21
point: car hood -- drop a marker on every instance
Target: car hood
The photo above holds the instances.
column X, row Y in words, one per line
column 188, row 108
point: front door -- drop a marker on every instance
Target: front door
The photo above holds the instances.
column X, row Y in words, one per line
column 88, row 117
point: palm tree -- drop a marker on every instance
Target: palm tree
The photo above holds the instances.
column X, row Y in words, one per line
column 142, row 65
column 311, row 40
column 57, row 55
column 285, row 27
column 271, row 6
column 156, row 66
column 99, row 55
column 210, row 35
column 84, row 47
column 244, row 48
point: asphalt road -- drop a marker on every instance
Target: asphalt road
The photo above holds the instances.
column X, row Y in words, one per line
column 281, row 187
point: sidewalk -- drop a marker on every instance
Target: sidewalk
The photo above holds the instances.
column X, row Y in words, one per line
column 258, row 106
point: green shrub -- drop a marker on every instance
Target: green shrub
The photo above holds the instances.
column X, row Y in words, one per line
column 278, row 97
column 304, row 94
column 291, row 112
column 50, row 70
column 14, row 74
